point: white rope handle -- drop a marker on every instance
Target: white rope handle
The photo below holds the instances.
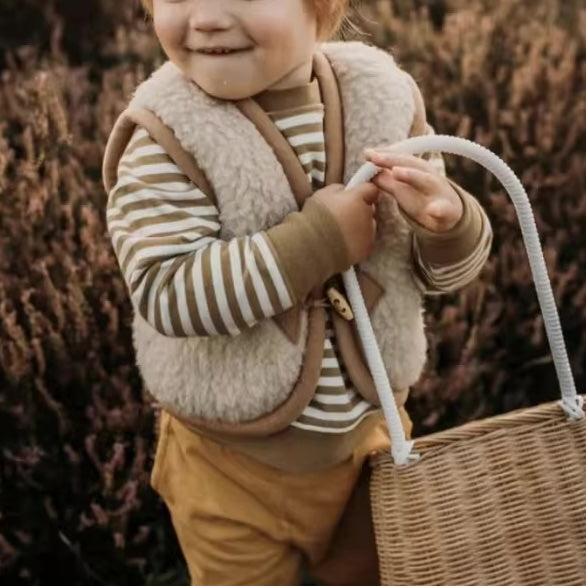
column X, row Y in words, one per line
column 571, row 402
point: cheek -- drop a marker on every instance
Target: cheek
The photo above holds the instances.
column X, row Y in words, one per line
column 279, row 40
column 279, row 25
column 169, row 28
column 267, row 32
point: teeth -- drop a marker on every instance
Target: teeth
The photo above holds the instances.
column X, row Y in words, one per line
column 217, row 51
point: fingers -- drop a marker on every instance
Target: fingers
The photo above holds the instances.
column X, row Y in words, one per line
column 422, row 181
column 408, row 198
column 398, row 178
column 387, row 158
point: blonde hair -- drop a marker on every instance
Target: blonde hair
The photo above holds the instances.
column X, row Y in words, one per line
column 329, row 14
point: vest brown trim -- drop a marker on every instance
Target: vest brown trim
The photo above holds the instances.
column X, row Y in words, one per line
column 117, row 143
column 419, row 124
column 163, row 136
column 290, row 410
column 334, row 118
column 292, row 167
column 333, row 132
column 349, row 342
column 290, row 321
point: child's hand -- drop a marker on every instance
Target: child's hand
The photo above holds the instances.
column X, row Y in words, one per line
column 422, row 193
column 353, row 209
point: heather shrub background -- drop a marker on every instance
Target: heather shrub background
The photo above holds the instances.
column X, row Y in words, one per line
column 76, row 436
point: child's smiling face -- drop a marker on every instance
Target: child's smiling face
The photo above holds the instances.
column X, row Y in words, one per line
column 235, row 49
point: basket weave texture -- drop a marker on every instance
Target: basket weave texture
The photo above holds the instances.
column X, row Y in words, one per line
column 498, row 502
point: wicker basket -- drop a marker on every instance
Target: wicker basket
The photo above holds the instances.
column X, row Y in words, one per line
column 499, row 502
column 495, row 502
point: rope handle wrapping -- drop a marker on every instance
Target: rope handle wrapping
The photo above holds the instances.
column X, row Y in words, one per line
column 571, row 402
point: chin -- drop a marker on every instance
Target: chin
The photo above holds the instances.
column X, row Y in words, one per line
column 226, row 90
column 226, row 93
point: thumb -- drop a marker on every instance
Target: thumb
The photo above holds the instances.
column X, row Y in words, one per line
column 369, row 192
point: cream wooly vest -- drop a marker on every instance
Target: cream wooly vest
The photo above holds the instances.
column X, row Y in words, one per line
column 260, row 381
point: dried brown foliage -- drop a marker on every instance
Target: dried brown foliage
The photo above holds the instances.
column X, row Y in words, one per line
column 77, row 436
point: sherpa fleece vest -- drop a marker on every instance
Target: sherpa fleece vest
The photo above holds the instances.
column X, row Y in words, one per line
column 260, row 381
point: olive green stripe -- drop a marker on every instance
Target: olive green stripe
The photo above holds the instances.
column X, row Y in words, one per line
column 345, row 408
column 143, row 161
column 172, row 297
column 136, row 144
column 230, row 289
column 214, row 310
column 248, row 285
column 191, row 299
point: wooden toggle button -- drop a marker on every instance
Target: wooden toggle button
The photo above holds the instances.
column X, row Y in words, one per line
column 340, row 303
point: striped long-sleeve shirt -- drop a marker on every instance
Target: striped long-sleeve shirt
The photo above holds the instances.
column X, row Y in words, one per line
column 185, row 280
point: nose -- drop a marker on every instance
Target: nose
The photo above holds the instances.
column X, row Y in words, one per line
column 209, row 16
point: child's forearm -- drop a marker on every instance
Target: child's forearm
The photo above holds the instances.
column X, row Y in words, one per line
column 448, row 261
column 310, row 247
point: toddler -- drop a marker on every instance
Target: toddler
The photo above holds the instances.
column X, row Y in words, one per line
column 231, row 225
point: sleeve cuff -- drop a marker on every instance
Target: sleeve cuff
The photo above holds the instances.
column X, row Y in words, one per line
column 455, row 244
column 309, row 247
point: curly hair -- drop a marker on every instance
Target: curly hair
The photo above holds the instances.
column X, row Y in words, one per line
column 329, row 14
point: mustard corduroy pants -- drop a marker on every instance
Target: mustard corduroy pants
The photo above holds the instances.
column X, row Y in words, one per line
column 242, row 523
